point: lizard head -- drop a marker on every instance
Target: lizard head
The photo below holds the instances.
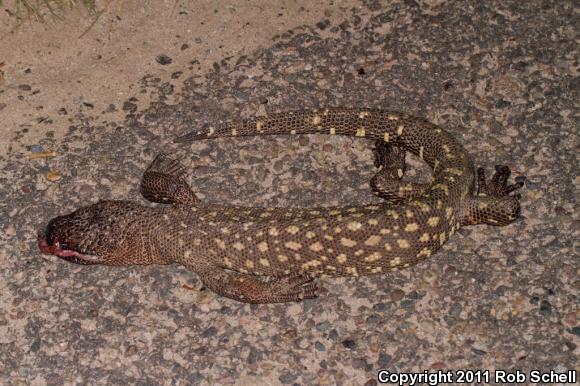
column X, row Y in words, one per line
column 94, row 234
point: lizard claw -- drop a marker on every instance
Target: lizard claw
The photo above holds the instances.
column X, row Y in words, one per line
column 493, row 204
column 294, row 287
column 498, row 186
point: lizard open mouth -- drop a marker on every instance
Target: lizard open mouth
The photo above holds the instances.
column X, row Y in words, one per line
column 65, row 251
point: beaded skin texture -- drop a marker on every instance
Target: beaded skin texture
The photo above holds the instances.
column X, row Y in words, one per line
column 267, row 255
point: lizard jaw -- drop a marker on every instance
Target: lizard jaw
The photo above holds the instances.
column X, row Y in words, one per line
column 67, row 254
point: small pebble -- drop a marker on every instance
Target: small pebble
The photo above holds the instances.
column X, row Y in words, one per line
column 42, row 154
column 209, row 332
column 438, row 365
column 349, row 343
column 53, row 176
column 327, row 147
column 407, row 303
column 163, row 59
column 545, row 308
column 289, row 335
column 397, row 295
column 384, row 360
column 430, row 277
column 570, row 318
column 85, row 188
column 10, row 230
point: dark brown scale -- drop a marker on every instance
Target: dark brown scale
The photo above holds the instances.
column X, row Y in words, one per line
column 231, row 247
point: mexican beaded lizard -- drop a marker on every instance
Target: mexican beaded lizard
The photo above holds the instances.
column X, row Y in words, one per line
column 264, row 255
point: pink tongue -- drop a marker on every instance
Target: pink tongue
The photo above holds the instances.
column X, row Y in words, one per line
column 47, row 249
column 81, row 256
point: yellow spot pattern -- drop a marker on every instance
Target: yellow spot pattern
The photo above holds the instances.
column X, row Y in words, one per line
column 354, row 226
column 293, row 245
column 316, row 247
column 403, row 244
column 373, row 240
column 433, row 221
column 347, row 242
column 411, row 227
column 292, row 229
column 220, row 243
column 375, row 256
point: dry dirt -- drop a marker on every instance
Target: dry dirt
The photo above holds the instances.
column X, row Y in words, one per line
column 76, row 65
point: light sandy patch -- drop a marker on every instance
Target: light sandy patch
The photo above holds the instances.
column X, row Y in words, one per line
column 104, row 66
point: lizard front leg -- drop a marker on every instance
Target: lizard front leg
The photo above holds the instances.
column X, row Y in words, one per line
column 164, row 182
column 252, row 289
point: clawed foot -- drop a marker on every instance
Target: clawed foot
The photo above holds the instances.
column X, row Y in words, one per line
column 498, row 186
column 493, row 204
column 248, row 288
column 294, row 288
column 165, row 165
column 164, row 182
column 390, row 157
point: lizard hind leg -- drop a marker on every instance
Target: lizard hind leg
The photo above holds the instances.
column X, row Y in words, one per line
column 164, row 182
column 387, row 182
column 493, row 204
column 252, row 289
